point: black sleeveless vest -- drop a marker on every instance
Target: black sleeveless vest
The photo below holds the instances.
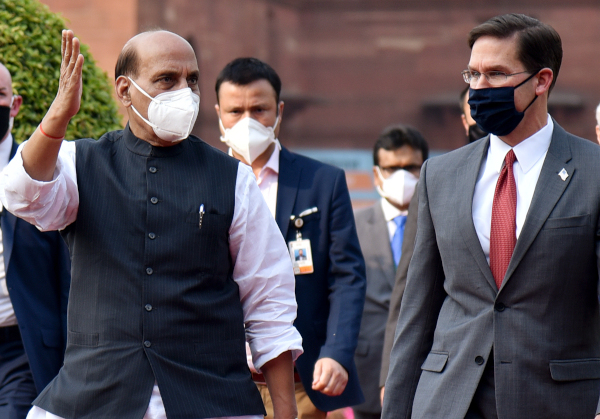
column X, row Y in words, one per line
column 152, row 295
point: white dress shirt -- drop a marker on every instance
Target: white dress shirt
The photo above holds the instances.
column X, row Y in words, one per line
column 262, row 266
column 268, row 179
column 7, row 313
column 389, row 213
column 531, row 154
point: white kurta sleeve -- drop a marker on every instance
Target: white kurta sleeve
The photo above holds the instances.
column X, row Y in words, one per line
column 47, row 205
column 263, row 271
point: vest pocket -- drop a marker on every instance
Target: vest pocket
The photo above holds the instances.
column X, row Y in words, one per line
column 575, row 369
column 82, row 339
column 435, row 361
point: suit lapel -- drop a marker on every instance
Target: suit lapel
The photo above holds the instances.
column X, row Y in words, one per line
column 466, row 180
column 381, row 244
column 8, row 223
column 548, row 190
column 287, row 189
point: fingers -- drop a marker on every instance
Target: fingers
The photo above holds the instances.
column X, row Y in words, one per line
column 317, row 375
column 66, row 45
column 70, row 86
column 329, row 377
column 70, row 47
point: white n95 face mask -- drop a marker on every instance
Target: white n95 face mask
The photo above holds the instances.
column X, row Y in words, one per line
column 249, row 138
column 171, row 114
column 398, row 188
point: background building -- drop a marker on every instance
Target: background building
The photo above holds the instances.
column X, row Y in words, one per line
column 350, row 67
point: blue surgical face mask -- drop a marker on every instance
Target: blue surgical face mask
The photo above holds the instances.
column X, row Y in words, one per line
column 493, row 108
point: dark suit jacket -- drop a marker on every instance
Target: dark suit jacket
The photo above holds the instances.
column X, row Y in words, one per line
column 374, row 239
column 544, row 321
column 330, row 300
column 38, row 278
column 408, row 246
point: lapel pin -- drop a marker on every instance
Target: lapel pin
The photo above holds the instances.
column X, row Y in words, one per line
column 563, row 174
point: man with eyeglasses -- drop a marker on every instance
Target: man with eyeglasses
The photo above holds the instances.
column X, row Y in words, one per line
column 398, row 155
column 500, row 316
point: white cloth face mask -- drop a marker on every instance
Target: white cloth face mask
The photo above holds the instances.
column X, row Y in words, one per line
column 171, row 114
column 249, row 138
column 398, row 188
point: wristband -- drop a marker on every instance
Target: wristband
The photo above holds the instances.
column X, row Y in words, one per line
column 49, row 136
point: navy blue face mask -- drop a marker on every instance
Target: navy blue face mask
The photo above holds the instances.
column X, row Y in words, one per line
column 4, row 120
column 493, row 108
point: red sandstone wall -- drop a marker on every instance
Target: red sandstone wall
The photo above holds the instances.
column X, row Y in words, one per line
column 349, row 68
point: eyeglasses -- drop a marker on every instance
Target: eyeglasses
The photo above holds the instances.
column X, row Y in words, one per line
column 413, row 168
column 495, row 78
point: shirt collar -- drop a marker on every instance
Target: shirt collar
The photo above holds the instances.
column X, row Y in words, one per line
column 528, row 151
column 389, row 211
column 272, row 163
column 5, row 147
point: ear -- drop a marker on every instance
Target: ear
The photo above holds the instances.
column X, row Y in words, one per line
column 218, row 110
column 122, row 86
column 598, row 133
column 376, row 179
column 280, row 110
column 463, row 118
column 16, row 105
column 545, row 77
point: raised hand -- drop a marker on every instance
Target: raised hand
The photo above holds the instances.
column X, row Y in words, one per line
column 41, row 151
column 68, row 99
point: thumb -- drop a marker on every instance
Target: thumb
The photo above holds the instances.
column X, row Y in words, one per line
column 317, row 372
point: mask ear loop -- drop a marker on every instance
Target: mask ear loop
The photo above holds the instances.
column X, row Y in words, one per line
column 154, row 126
column 525, row 81
column 379, row 174
column 142, row 90
column 133, row 107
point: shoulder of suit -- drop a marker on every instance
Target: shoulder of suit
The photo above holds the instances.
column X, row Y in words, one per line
column 365, row 212
column 452, row 158
column 207, row 148
column 586, row 145
column 310, row 163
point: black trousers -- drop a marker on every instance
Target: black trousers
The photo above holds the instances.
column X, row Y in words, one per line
column 17, row 389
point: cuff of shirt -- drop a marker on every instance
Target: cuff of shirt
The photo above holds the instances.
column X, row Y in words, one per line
column 271, row 348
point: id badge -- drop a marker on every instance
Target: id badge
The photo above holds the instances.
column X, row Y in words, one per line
column 301, row 255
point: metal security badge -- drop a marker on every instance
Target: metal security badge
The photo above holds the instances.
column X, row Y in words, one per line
column 300, row 249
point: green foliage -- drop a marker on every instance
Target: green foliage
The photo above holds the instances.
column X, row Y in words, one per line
column 30, row 36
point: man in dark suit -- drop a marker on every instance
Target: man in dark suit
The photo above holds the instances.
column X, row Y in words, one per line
column 311, row 205
column 34, row 287
column 500, row 317
column 398, row 155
